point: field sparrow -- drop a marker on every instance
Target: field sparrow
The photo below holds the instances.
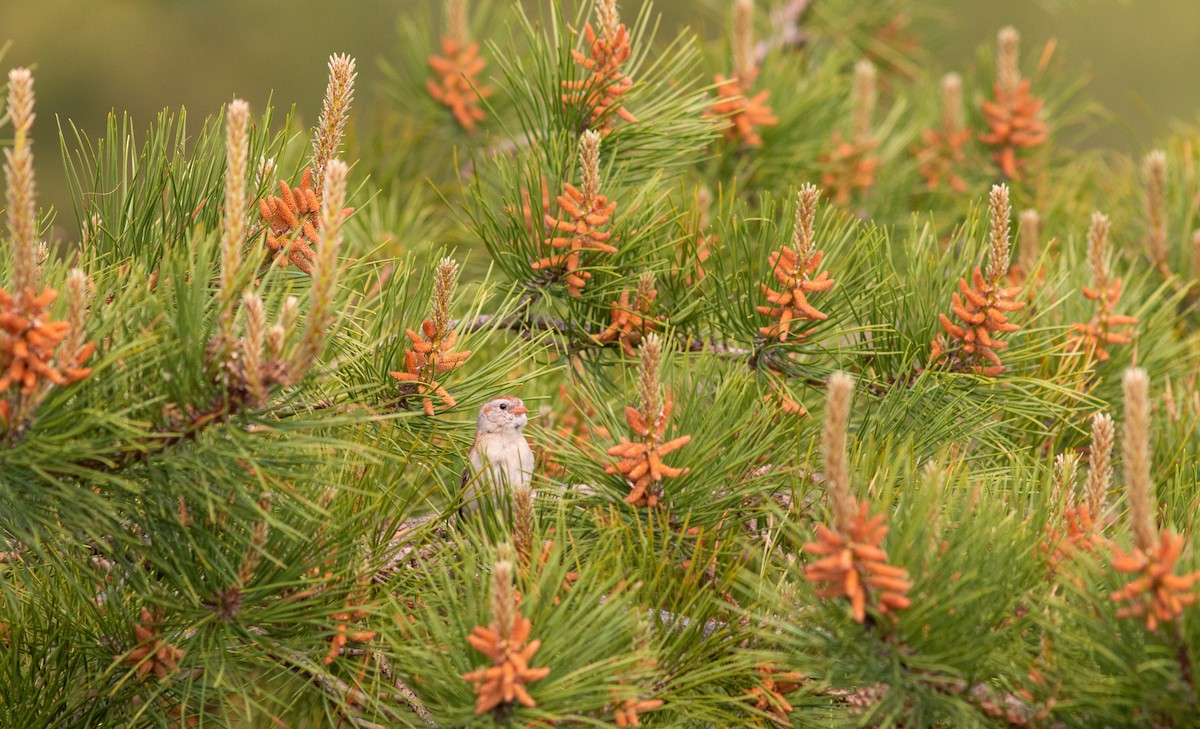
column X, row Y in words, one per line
column 500, row 459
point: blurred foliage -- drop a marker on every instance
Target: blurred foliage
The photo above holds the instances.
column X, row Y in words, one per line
column 1135, row 54
column 175, row 552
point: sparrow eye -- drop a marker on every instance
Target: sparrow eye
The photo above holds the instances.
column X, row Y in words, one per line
column 504, row 406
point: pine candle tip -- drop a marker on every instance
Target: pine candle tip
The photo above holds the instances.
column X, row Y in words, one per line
column 837, row 466
column 651, row 352
column 865, row 93
column 806, row 214
column 77, row 283
column 1136, row 453
column 252, row 345
column 1008, row 71
column 1154, row 169
column 1099, row 464
column 341, row 69
column 1106, row 327
column 265, row 171
column 1135, row 380
column 325, row 268
column 20, row 99
column 1101, row 421
column 1066, row 465
column 523, row 534
column 334, row 193
column 277, row 335
column 21, row 193
column 744, row 67
column 841, row 385
column 335, row 110
column 443, row 294
column 952, row 119
column 456, row 21
column 447, row 267
column 237, row 117
column 952, row 85
column 333, row 202
column 1097, row 251
column 609, row 17
column 645, row 291
column 998, row 240
column 252, row 300
column 649, row 388
column 233, row 219
column 503, row 606
column 19, row 76
column 998, row 197
column 77, row 312
column 290, row 312
column 589, row 164
column 238, row 109
column 276, row 341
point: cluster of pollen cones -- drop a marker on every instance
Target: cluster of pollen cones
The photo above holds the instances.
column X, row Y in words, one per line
column 641, row 461
column 855, row 567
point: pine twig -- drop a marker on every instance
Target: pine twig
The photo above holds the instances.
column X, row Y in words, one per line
column 406, row 694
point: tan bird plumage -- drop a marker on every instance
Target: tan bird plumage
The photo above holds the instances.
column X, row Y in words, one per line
column 500, row 460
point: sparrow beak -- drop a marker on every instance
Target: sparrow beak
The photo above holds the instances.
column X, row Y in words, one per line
column 520, row 410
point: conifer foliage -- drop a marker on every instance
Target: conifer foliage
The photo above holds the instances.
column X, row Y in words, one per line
column 795, row 270
column 982, row 307
column 738, row 109
column 36, row 351
column 239, row 398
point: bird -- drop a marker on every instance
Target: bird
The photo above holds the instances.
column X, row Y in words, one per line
column 500, row 459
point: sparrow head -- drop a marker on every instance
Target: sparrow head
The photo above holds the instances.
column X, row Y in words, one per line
column 502, row 414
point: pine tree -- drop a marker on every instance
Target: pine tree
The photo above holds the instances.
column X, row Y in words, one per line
column 235, row 408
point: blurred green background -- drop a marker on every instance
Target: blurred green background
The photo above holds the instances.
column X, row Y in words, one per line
column 93, row 56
